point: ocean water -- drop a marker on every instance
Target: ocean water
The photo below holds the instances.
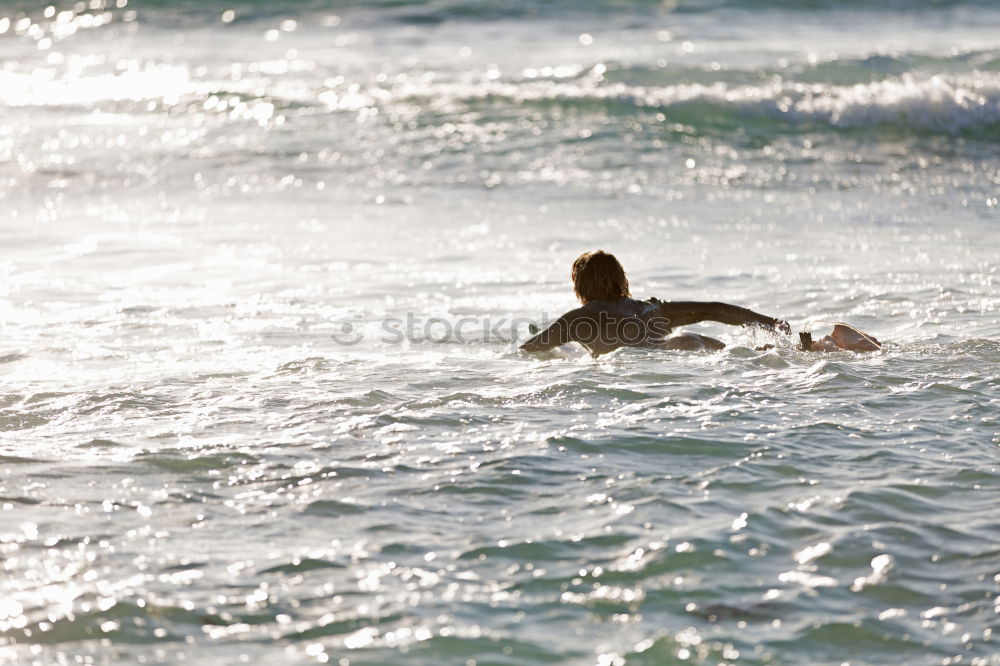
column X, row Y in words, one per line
column 264, row 266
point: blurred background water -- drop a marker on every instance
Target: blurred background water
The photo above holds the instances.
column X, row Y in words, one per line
column 221, row 442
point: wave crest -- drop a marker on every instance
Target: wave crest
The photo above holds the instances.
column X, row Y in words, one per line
column 954, row 105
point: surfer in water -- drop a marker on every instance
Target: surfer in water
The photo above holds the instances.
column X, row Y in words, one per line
column 610, row 318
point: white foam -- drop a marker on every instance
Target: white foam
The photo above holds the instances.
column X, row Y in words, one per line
column 939, row 103
column 944, row 103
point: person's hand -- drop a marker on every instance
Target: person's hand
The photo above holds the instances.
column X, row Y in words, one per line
column 783, row 326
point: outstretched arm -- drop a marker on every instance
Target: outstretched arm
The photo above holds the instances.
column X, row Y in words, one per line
column 555, row 335
column 682, row 313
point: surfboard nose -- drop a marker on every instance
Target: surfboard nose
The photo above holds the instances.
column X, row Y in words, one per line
column 847, row 337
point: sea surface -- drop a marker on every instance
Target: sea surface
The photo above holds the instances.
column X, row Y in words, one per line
column 264, row 267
